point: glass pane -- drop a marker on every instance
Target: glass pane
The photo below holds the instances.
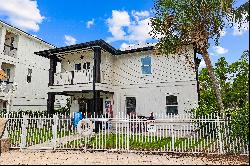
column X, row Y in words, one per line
column 84, row 66
column 78, row 66
column 146, row 61
column 171, row 100
column 130, row 104
column 146, row 69
column 88, row 65
column 172, row 110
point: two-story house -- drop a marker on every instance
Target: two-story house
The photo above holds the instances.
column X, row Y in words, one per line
column 23, row 69
column 101, row 79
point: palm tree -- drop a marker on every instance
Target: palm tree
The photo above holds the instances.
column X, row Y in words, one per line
column 193, row 22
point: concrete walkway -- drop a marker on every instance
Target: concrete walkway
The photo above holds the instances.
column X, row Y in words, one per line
column 59, row 142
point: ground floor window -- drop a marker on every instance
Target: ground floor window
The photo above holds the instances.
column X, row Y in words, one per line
column 130, row 105
column 171, row 105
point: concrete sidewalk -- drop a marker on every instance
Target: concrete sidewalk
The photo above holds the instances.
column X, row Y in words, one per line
column 104, row 158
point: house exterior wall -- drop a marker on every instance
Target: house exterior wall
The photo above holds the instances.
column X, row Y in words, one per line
column 171, row 75
column 74, row 58
column 33, row 95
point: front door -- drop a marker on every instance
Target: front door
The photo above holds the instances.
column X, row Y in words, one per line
column 86, row 106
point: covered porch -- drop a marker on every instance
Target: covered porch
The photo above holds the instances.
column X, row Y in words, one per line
column 88, row 102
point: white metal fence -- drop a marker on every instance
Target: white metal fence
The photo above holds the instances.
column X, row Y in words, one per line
column 167, row 133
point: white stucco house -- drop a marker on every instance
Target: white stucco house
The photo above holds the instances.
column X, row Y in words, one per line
column 26, row 85
column 99, row 78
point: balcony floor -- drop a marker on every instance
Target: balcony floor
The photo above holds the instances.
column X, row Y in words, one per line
column 81, row 87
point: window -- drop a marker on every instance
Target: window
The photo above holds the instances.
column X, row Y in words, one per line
column 12, row 39
column 146, row 65
column 130, row 104
column 171, row 105
column 8, row 74
column 86, row 65
column 29, row 75
column 78, row 66
column 4, row 106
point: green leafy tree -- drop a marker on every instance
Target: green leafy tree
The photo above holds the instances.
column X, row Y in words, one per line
column 233, row 79
column 178, row 23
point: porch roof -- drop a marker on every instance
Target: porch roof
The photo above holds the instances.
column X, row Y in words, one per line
column 89, row 45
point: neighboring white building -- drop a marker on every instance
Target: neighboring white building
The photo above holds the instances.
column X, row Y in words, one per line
column 24, row 68
column 102, row 79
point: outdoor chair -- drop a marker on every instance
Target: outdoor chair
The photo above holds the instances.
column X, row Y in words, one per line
column 3, row 123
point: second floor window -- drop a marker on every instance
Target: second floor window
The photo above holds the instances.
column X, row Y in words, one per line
column 12, row 39
column 29, row 75
column 86, row 65
column 78, row 66
column 8, row 74
column 146, row 65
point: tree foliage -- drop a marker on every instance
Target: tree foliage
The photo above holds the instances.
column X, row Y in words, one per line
column 178, row 23
column 234, row 84
column 233, row 79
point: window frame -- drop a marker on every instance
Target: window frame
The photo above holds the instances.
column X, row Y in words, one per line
column 172, row 104
column 8, row 73
column 87, row 67
column 126, row 104
column 79, row 66
column 29, row 75
column 142, row 65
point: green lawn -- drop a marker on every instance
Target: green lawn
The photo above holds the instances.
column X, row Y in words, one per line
column 113, row 141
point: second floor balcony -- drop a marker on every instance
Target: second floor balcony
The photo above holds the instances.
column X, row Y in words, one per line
column 10, row 50
column 6, row 89
column 73, row 77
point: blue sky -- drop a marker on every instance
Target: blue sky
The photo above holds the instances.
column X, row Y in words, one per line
column 120, row 22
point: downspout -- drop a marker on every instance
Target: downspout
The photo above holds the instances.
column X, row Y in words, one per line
column 94, row 80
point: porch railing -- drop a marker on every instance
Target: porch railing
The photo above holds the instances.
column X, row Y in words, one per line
column 5, row 86
column 10, row 50
column 73, row 77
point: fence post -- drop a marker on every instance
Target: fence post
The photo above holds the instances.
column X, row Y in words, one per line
column 172, row 133
column 54, row 130
column 24, row 132
column 219, row 134
column 128, row 119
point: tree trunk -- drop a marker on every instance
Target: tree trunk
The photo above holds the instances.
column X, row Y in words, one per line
column 214, row 80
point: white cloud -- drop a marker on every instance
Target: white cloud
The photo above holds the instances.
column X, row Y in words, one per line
column 202, row 64
column 212, row 54
column 22, row 13
column 223, row 32
column 138, row 15
column 244, row 27
column 116, row 23
column 220, row 50
column 90, row 23
column 133, row 28
column 125, row 46
column 69, row 40
column 139, row 32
